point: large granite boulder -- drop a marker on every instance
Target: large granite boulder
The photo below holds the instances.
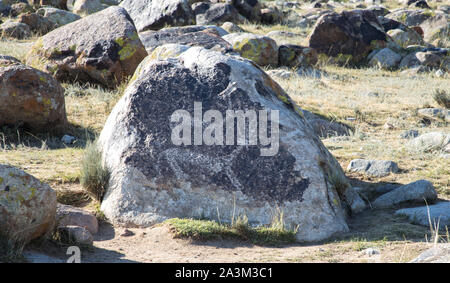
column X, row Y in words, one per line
column 208, row 37
column 30, row 98
column 156, row 14
column 27, row 206
column 349, row 37
column 157, row 174
column 102, row 48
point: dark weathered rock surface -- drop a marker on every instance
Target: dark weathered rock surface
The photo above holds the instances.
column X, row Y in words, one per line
column 103, row 48
column 156, row 14
column 208, row 37
column 153, row 178
column 349, row 36
column 207, row 14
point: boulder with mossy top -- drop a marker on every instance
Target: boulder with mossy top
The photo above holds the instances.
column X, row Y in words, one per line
column 30, row 98
column 159, row 172
column 103, row 48
column 27, row 206
column 260, row 49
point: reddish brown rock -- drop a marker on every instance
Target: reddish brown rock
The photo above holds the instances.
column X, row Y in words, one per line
column 30, row 97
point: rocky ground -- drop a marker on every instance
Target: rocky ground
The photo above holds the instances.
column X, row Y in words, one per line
column 375, row 111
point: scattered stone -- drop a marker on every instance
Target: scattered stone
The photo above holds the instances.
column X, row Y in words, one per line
column 103, row 48
column 30, row 98
column 417, row 191
column 20, row 8
column 67, row 215
column 260, row 49
column 216, row 14
column 325, row 128
column 127, row 233
column 58, row 17
column 67, row 139
column 251, row 9
column 409, row 134
column 15, row 30
column 437, row 213
column 87, row 7
column 231, row 27
column 156, row 14
column 28, row 206
column 434, row 141
column 76, row 235
column 203, row 180
column 370, row 251
column 296, row 56
column 435, row 113
column 271, row 16
column 386, row 59
column 5, row 9
column 437, row 254
column 375, row 168
column 410, row 17
column 37, row 23
column 406, row 37
column 281, row 73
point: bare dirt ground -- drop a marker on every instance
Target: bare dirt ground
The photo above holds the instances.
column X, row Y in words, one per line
column 395, row 239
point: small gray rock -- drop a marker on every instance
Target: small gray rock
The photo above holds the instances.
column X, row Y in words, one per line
column 67, row 139
column 77, row 235
column 375, row 168
column 371, row 251
column 416, row 191
column 439, row 212
column 409, row 134
column 72, row 216
column 435, row 113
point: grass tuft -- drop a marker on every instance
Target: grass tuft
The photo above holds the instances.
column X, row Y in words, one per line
column 204, row 230
column 94, row 176
column 442, row 98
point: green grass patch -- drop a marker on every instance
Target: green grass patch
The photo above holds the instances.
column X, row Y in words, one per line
column 204, row 230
